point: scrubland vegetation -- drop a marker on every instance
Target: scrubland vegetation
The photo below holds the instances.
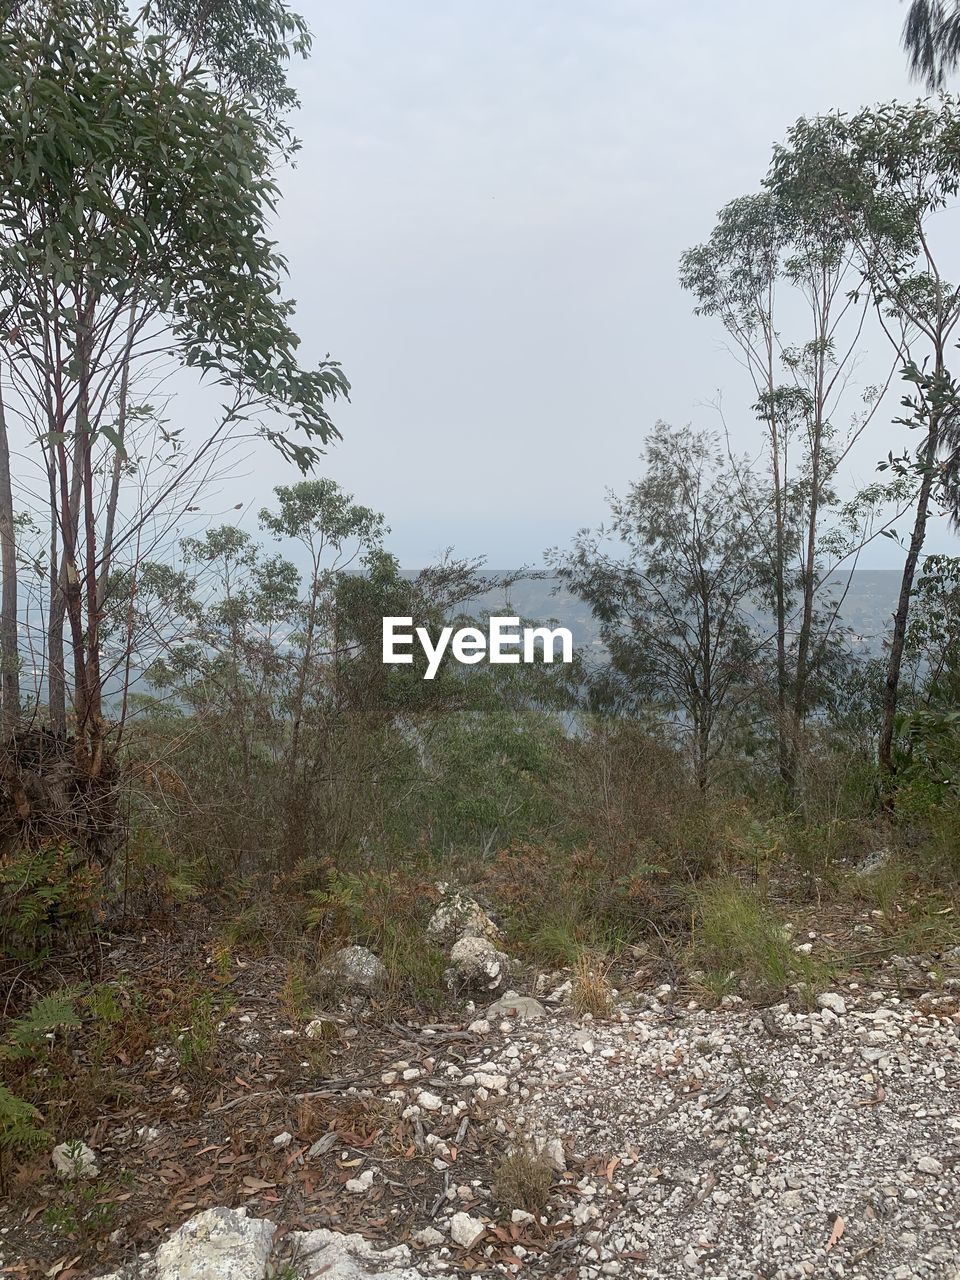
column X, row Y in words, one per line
column 205, row 757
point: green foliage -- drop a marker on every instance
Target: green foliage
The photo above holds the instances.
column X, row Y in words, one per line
column 673, row 607
column 130, row 181
column 20, row 1121
column 42, row 891
column 738, row 939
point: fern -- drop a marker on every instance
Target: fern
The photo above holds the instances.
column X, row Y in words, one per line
column 29, row 1031
column 19, row 1127
column 42, row 890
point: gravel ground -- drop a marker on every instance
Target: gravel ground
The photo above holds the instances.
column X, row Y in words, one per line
column 730, row 1143
column 684, row 1142
column 734, row 1144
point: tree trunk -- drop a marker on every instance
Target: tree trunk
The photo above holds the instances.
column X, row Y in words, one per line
column 895, row 661
column 9, row 646
column 780, row 611
column 809, row 596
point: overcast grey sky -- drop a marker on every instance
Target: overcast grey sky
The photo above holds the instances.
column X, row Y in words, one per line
column 484, row 226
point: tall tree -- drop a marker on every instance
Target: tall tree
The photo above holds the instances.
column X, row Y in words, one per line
column 887, row 172
column 766, row 253
column 134, row 214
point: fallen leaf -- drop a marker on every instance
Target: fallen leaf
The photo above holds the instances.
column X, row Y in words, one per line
column 836, row 1233
column 257, row 1184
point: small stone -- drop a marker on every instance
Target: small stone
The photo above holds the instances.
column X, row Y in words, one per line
column 930, row 1164
column 429, row 1101
column 74, row 1160
column 358, row 1186
column 523, row 1008
column 832, row 1001
column 428, row 1237
column 357, row 969
column 465, row 1231
column 476, row 962
column 283, row 1140
column 551, row 1152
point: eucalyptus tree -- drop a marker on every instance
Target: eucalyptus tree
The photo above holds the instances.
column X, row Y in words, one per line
column 889, row 173
column 135, row 202
column 931, row 37
column 767, row 252
column 672, row 582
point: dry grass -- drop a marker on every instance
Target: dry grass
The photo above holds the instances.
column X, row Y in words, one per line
column 592, row 992
column 522, row 1180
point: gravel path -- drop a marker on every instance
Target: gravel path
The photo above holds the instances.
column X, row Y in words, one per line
column 728, row 1144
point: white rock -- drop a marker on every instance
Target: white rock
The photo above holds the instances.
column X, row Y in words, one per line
column 218, row 1244
column 357, row 968
column 460, row 916
column 489, row 1080
column 511, row 1005
column 832, row 1001
column 550, row 1151
column 74, row 1160
column 429, row 1101
column 929, row 1164
column 358, row 1186
column 465, row 1231
column 476, row 962
column 283, row 1139
column 428, row 1237
column 336, row 1256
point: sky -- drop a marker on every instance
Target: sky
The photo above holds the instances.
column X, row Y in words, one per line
column 484, row 225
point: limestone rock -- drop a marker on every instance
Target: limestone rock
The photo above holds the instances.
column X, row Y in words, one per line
column 465, row 1231
column 476, row 962
column 357, row 968
column 872, row 862
column 336, row 1256
column 460, row 916
column 510, row 1005
column 218, row 1244
column 74, row 1160
column 832, row 1001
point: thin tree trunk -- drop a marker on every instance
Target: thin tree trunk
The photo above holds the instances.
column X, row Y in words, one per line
column 56, row 672
column 9, row 647
column 809, row 595
column 895, row 661
column 117, row 472
column 780, row 611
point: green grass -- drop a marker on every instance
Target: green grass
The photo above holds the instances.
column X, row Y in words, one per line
column 740, row 943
